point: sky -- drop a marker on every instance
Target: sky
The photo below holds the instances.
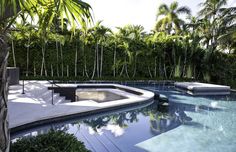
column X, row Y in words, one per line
column 118, row 13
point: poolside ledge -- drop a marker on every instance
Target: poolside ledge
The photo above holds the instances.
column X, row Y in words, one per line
column 196, row 88
column 36, row 105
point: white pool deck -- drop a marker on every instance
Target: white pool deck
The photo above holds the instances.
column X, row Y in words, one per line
column 36, row 103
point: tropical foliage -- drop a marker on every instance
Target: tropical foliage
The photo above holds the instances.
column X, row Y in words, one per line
column 190, row 48
column 53, row 141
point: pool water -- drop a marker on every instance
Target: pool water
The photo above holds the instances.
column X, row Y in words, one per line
column 187, row 124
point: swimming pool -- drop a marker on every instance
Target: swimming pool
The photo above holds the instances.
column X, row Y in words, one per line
column 188, row 123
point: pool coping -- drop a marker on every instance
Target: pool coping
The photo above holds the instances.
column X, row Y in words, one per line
column 147, row 96
column 81, row 115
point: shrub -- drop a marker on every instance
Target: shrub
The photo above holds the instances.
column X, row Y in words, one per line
column 53, row 141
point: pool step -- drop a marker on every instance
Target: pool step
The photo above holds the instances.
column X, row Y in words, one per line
column 57, row 99
column 45, row 95
column 39, row 91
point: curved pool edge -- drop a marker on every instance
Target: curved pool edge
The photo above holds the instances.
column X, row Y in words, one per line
column 83, row 115
column 54, row 113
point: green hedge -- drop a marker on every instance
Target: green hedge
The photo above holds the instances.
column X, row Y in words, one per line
column 53, row 141
column 220, row 67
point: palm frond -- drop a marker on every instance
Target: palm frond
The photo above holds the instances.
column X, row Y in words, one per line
column 162, row 10
column 174, row 6
column 183, row 10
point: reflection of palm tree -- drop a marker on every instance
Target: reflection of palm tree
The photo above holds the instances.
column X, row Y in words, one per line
column 97, row 122
column 158, row 122
column 162, row 122
column 121, row 119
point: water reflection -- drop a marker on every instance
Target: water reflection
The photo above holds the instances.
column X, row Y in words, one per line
column 153, row 116
column 116, row 130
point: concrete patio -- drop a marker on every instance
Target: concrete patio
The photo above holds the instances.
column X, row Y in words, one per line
column 36, row 103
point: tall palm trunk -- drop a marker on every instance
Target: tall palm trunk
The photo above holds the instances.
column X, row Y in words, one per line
column 155, row 67
column 85, row 62
column 122, row 70
column 164, row 66
column 135, row 66
column 97, row 60
column 160, row 68
column 13, row 53
column 149, row 71
column 101, row 60
column 76, row 58
column 34, row 70
column 185, row 61
column 67, row 71
column 62, row 65
column 114, row 62
column 126, row 68
column 4, row 132
column 43, row 65
column 57, row 59
column 52, row 71
column 94, row 62
column 27, row 60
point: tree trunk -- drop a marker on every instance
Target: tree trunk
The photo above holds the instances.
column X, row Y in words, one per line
column 67, row 71
column 27, row 60
column 185, row 61
column 149, row 71
column 51, row 70
column 43, row 65
column 135, row 66
column 94, row 62
column 13, row 53
column 4, row 131
column 126, row 68
column 85, row 71
column 155, row 68
column 101, row 64
column 62, row 65
column 97, row 60
column 122, row 70
column 57, row 59
column 76, row 58
column 114, row 62
column 34, row 70
column 165, row 73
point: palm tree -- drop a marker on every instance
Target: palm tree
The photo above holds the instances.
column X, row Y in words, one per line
column 227, row 28
column 136, row 34
column 151, row 53
column 94, row 35
column 76, row 11
column 123, row 34
column 219, row 21
column 85, row 38
column 100, row 34
column 132, row 44
column 113, row 41
column 168, row 19
column 104, row 34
